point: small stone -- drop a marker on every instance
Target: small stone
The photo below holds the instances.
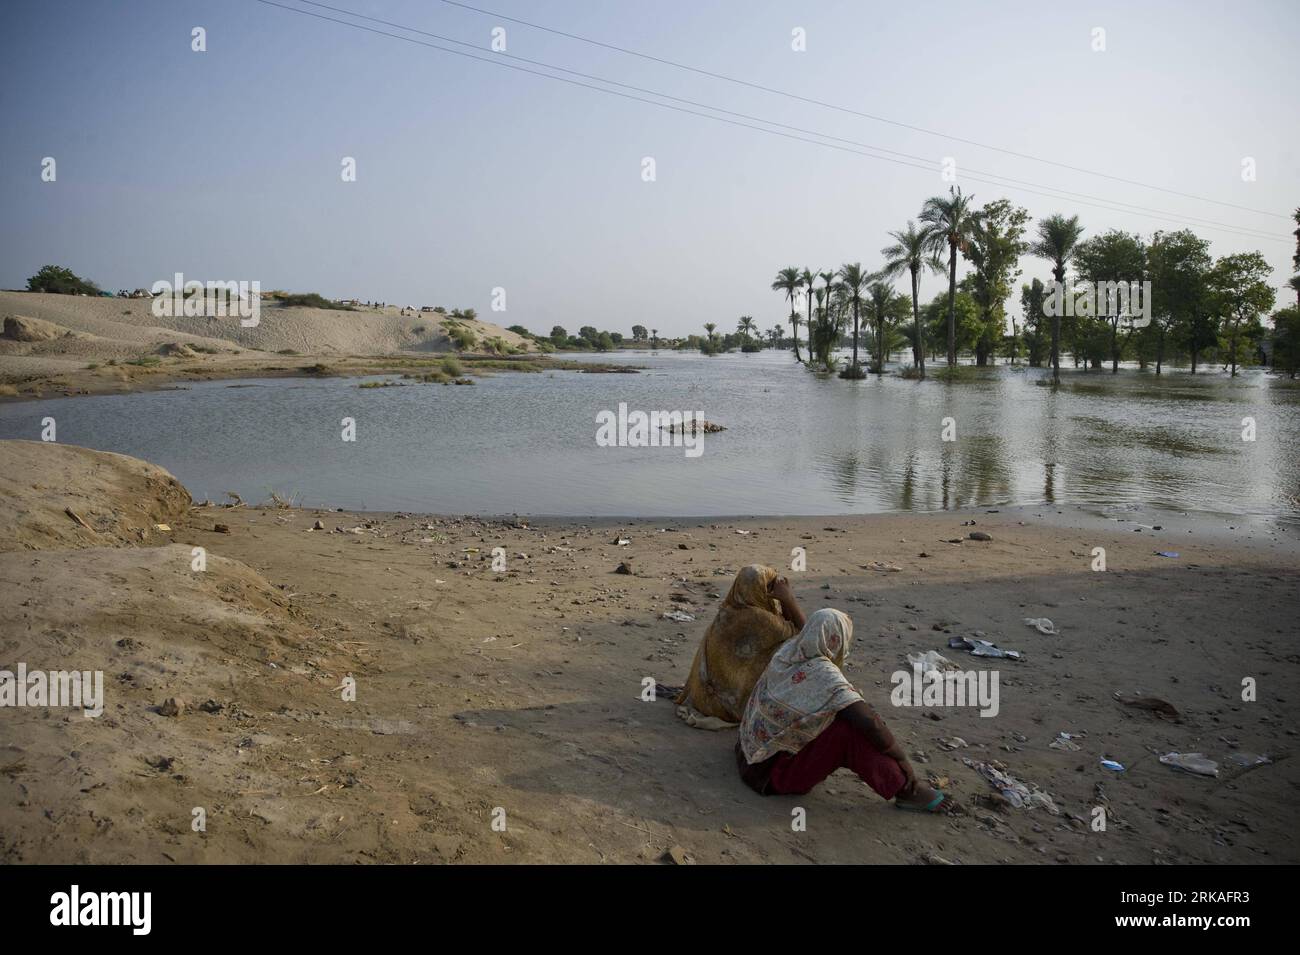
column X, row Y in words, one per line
column 172, row 706
column 221, row 528
column 678, row 856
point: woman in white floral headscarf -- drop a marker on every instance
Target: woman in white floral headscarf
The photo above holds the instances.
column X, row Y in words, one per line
column 805, row 720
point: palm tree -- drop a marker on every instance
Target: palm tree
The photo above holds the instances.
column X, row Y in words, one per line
column 775, row 334
column 880, row 299
column 910, row 252
column 854, row 280
column 789, row 281
column 949, row 222
column 1057, row 240
column 806, row 281
column 709, row 327
column 654, row 338
column 745, row 327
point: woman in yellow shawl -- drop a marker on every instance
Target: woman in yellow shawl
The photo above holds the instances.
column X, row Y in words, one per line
column 757, row 616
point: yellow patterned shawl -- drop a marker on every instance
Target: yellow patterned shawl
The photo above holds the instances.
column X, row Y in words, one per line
column 735, row 651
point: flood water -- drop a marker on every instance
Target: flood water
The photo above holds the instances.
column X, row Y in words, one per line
column 795, row 443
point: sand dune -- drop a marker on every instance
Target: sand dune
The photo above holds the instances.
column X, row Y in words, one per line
column 54, row 495
column 99, row 330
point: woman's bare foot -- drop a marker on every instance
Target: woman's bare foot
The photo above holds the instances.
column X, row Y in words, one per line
column 920, row 797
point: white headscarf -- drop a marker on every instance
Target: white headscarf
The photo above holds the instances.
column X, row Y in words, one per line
column 801, row 690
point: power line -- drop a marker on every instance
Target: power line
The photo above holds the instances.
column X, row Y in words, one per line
column 1247, row 231
column 924, row 164
column 845, row 109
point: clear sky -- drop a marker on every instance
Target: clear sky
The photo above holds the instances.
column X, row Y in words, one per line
column 225, row 165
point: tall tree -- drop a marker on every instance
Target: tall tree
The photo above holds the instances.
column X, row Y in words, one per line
column 806, row 281
column 1178, row 264
column 1112, row 257
column 1057, row 239
column 1240, row 293
column 1286, row 340
column 789, row 281
column 995, row 247
column 854, row 280
column 745, row 326
column 882, row 307
column 1032, row 297
column 911, row 253
column 949, row 222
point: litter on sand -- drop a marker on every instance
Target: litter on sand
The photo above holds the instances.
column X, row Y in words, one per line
column 982, row 648
column 678, row 615
column 1012, row 789
column 1066, row 742
column 1156, row 705
column 1042, row 625
column 1248, row 760
column 1197, row 764
column 1166, row 553
column 1113, row 766
column 931, row 660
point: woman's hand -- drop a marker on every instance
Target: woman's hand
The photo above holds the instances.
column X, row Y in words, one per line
column 780, row 589
column 909, row 773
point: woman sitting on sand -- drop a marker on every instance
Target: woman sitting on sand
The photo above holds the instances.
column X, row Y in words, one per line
column 757, row 616
column 805, row 720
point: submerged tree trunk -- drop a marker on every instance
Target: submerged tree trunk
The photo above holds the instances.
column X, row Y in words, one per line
column 918, row 336
column 952, row 302
column 855, row 333
column 794, row 328
column 1059, row 273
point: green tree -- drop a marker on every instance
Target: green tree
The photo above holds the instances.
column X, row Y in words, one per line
column 994, row 249
column 1112, row 257
column 639, row 333
column 61, row 281
column 853, row 279
column 1057, row 238
column 1032, row 297
column 1178, row 264
column 949, row 222
column 1286, row 340
column 1239, row 294
column 883, row 314
column 911, row 253
column 559, row 337
column 789, row 281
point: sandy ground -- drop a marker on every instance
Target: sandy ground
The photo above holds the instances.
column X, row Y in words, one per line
column 287, row 341
column 520, row 691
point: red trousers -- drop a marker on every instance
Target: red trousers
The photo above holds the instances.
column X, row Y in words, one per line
column 839, row 746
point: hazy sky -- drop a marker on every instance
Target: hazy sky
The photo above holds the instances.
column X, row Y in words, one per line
column 226, row 164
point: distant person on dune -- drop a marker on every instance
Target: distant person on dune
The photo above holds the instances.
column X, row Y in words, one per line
column 757, row 616
column 805, row 720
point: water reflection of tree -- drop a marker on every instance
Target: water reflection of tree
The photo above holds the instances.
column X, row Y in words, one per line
column 845, row 468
